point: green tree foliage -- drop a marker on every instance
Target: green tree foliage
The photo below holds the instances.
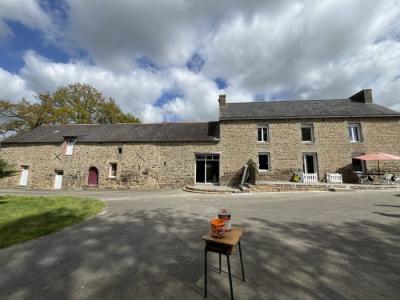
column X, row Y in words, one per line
column 5, row 169
column 73, row 104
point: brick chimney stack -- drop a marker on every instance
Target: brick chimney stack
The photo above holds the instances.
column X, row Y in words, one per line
column 363, row 96
column 222, row 101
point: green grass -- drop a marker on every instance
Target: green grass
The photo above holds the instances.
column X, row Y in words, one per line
column 24, row 218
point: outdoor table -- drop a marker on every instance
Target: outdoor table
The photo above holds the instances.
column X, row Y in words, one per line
column 224, row 246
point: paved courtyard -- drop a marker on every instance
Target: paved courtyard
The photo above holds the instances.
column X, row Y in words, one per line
column 147, row 246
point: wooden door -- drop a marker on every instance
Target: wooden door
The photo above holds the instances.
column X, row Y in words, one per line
column 93, row 176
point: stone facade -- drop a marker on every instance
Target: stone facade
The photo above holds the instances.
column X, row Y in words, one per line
column 331, row 144
column 152, row 165
column 159, row 165
column 139, row 166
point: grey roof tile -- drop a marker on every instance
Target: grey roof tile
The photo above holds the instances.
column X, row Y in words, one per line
column 303, row 109
column 162, row 132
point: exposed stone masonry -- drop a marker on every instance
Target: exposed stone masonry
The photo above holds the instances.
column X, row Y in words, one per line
column 172, row 164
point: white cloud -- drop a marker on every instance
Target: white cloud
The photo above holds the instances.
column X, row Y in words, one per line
column 293, row 48
column 200, row 96
column 135, row 91
column 13, row 87
column 168, row 31
column 305, row 48
column 28, row 12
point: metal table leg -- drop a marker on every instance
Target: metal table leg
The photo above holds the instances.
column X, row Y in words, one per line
column 241, row 261
column 205, row 272
column 230, row 275
column 220, row 263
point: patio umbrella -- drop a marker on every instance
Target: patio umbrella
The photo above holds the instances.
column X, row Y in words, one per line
column 378, row 157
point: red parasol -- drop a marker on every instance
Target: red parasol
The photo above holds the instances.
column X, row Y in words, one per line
column 377, row 157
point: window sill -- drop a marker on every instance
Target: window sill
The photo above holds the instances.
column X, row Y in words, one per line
column 262, row 142
column 355, row 142
column 112, row 177
column 263, row 171
column 308, row 142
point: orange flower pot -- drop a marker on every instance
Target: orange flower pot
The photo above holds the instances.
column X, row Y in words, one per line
column 217, row 228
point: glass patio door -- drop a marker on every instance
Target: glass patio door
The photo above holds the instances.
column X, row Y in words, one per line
column 207, row 168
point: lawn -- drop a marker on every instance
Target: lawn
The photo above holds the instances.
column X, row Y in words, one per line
column 24, row 218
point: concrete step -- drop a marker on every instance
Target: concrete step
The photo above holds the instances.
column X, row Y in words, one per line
column 211, row 189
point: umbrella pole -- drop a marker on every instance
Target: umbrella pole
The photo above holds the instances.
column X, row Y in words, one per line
column 379, row 173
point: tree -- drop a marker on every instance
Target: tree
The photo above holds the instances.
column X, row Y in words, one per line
column 5, row 169
column 73, row 104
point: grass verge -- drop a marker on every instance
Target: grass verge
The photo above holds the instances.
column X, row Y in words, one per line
column 24, row 218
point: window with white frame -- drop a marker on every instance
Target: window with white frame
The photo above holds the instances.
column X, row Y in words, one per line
column 354, row 133
column 70, row 145
column 307, row 133
column 262, row 133
column 113, row 170
column 263, row 162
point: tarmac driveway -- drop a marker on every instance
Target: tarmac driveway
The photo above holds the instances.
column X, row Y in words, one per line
column 147, row 246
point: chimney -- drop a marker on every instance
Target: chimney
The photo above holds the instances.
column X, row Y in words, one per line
column 363, row 96
column 222, row 101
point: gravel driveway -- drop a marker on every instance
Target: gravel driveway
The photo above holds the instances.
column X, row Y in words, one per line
column 147, row 246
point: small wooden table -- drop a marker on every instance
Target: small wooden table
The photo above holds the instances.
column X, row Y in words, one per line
column 223, row 246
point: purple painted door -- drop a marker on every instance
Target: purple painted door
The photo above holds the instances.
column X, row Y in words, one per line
column 93, row 176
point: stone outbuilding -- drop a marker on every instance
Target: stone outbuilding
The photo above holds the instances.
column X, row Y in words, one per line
column 280, row 137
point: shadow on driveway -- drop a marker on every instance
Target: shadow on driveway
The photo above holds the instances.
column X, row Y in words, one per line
column 388, row 205
column 387, row 215
column 158, row 254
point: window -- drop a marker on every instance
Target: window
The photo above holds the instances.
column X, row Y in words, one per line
column 354, row 133
column 263, row 162
column 307, row 133
column 70, row 145
column 262, row 132
column 113, row 170
column 120, row 150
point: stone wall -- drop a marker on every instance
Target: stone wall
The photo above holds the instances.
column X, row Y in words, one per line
column 331, row 143
column 139, row 166
column 159, row 165
column 319, row 187
column 290, row 187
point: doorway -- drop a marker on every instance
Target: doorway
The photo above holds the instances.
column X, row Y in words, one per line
column 310, row 163
column 93, row 178
column 357, row 164
column 58, row 179
column 207, row 168
column 23, row 180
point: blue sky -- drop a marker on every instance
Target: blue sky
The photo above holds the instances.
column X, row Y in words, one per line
column 168, row 61
column 22, row 39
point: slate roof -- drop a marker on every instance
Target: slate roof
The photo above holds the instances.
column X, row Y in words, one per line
column 162, row 132
column 304, row 109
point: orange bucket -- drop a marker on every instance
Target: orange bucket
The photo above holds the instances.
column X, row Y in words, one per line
column 217, row 228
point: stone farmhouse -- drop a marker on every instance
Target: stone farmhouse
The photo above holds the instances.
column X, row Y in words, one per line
column 280, row 137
